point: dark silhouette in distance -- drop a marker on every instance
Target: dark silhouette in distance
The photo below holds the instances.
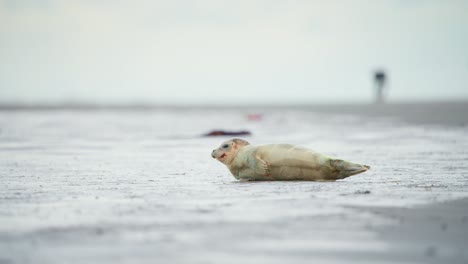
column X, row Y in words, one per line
column 380, row 79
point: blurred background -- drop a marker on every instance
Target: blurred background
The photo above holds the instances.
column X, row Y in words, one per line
column 110, row 110
column 231, row 52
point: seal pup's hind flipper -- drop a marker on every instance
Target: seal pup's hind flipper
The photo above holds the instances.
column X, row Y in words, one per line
column 346, row 169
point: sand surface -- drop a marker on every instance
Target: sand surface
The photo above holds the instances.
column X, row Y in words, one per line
column 139, row 186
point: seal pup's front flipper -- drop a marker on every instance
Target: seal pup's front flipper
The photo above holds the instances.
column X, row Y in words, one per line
column 254, row 169
column 346, row 169
column 262, row 167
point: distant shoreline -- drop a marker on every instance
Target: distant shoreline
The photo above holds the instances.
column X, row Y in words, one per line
column 454, row 113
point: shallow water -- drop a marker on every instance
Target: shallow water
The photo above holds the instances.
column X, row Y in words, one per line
column 126, row 186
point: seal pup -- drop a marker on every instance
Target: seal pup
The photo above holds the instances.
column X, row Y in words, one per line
column 281, row 162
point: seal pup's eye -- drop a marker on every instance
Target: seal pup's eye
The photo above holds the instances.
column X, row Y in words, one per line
column 225, row 146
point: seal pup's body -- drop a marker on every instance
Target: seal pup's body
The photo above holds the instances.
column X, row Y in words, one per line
column 282, row 162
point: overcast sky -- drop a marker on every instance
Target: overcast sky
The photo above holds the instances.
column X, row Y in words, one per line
column 217, row 51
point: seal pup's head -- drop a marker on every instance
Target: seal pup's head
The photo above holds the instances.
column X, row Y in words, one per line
column 228, row 150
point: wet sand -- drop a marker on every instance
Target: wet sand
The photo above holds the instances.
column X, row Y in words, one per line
column 436, row 233
column 441, row 113
column 137, row 185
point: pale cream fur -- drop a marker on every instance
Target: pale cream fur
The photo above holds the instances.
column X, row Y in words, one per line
column 281, row 162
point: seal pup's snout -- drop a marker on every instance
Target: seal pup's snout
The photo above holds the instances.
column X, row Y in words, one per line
column 213, row 154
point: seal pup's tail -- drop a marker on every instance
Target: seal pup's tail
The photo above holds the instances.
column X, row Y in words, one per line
column 346, row 169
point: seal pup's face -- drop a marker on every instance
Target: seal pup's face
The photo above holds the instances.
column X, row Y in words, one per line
column 228, row 150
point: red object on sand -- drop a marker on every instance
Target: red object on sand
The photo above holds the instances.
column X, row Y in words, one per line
column 254, row 117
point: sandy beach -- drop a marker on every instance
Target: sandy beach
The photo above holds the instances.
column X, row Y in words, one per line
column 138, row 185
